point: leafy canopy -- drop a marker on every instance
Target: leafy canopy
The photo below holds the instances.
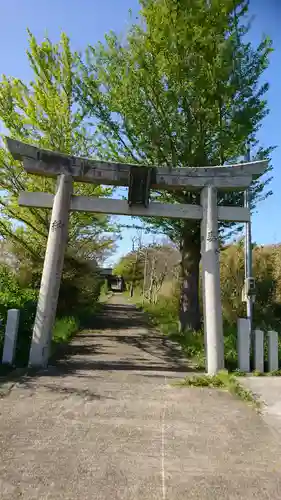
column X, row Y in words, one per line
column 45, row 113
column 183, row 88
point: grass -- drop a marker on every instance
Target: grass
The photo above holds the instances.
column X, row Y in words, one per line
column 225, row 381
column 65, row 328
column 274, row 373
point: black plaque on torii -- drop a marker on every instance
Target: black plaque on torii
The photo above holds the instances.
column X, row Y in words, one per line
column 139, row 186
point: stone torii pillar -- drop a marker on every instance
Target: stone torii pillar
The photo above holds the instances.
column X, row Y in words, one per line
column 51, row 276
column 212, row 308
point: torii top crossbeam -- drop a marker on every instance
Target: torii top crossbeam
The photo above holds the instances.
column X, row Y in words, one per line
column 51, row 164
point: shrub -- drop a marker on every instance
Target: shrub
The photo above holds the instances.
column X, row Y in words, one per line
column 12, row 296
column 80, row 288
column 65, row 328
column 79, row 293
column 104, row 289
column 266, row 268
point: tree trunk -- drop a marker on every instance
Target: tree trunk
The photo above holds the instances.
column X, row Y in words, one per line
column 189, row 315
column 152, row 280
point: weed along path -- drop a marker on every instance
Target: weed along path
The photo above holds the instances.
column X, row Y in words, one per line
column 104, row 422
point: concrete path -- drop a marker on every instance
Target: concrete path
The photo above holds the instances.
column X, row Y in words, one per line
column 268, row 390
column 105, row 423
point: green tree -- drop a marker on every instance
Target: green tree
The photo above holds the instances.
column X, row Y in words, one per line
column 130, row 267
column 44, row 113
column 148, row 268
column 182, row 89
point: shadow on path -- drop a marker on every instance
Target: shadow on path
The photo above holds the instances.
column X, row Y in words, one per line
column 121, row 339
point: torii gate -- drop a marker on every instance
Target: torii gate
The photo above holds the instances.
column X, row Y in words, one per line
column 69, row 169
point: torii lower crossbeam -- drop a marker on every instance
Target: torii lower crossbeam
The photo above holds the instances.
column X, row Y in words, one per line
column 209, row 214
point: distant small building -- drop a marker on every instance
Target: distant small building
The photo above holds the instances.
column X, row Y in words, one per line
column 115, row 283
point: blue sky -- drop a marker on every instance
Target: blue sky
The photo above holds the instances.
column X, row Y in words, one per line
column 87, row 21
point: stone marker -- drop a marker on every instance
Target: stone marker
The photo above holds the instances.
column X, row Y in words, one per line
column 259, row 350
column 273, row 361
column 11, row 334
column 243, row 344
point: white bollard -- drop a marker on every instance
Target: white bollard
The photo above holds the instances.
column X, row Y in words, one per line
column 273, row 362
column 259, row 351
column 243, row 344
column 11, row 334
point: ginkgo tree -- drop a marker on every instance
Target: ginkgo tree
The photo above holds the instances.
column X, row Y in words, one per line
column 182, row 88
column 43, row 112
